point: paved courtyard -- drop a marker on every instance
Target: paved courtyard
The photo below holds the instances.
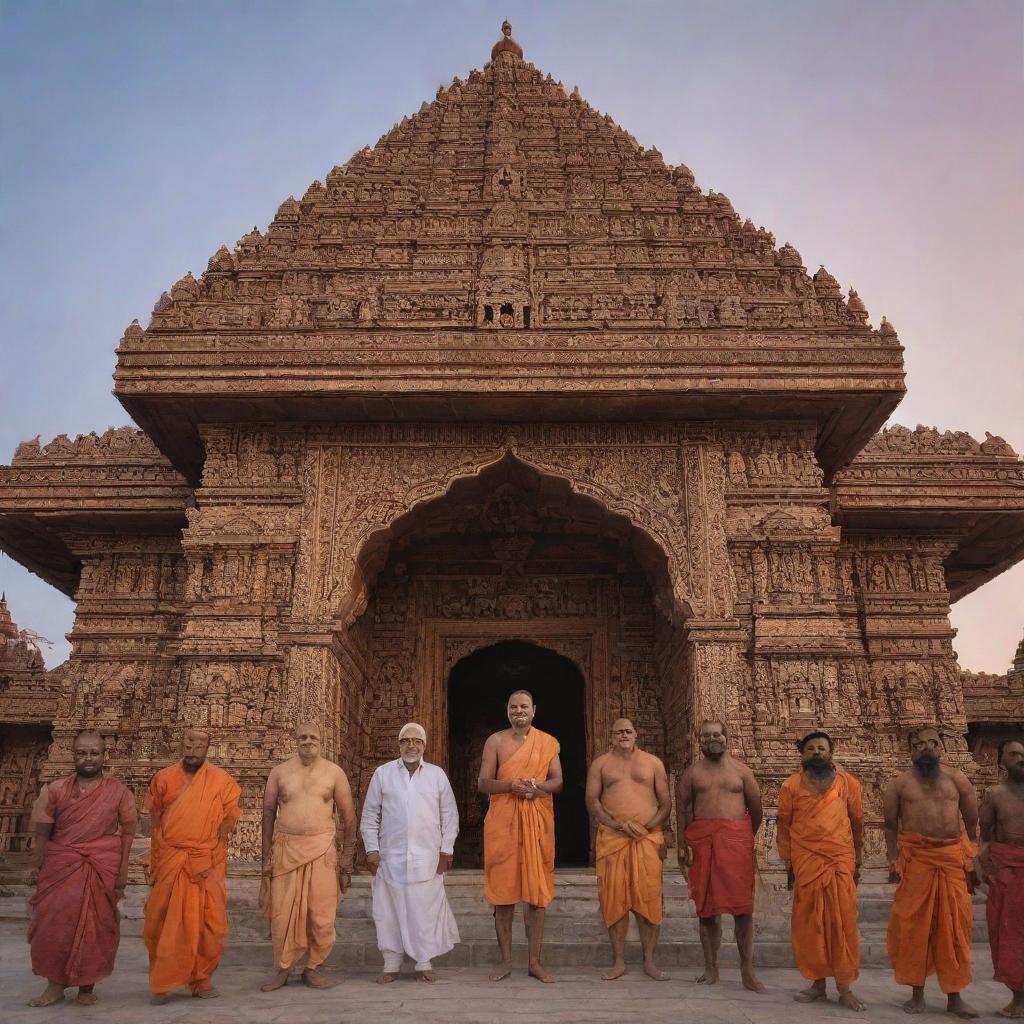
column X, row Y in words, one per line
column 462, row 995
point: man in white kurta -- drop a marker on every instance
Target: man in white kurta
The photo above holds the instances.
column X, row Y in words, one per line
column 409, row 825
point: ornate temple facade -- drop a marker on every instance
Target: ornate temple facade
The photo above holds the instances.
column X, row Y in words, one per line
column 508, row 401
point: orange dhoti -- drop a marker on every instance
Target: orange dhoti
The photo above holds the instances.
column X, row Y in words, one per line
column 303, row 898
column 722, row 870
column 816, row 838
column 1005, row 911
column 629, row 875
column 186, row 922
column 932, row 913
column 519, row 834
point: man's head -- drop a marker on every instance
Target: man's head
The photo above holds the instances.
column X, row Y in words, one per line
column 521, row 709
column 88, row 753
column 412, row 741
column 712, row 739
column 925, row 750
column 308, row 741
column 816, row 754
column 623, row 735
column 194, row 745
column 1011, row 759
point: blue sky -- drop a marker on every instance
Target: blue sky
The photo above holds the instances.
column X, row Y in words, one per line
column 882, row 139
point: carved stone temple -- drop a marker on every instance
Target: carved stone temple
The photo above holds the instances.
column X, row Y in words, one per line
column 508, row 401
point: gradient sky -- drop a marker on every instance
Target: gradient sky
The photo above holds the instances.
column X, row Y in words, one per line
column 882, row 139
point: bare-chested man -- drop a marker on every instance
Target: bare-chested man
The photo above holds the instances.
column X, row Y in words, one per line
column 719, row 806
column 932, row 914
column 1002, row 860
column 300, row 858
column 519, row 772
column 629, row 801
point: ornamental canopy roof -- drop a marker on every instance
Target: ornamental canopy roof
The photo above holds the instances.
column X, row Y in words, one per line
column 508, row 252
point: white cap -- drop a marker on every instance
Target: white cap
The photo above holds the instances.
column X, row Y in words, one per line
column 413, row 729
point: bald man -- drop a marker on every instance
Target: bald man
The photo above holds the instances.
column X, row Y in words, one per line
column 628, row 799
column 303, row 797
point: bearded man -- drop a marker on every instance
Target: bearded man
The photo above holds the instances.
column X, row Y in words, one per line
column 84, row 825
column 719, row 805
column 931, row 820
column 821, row 842
column 409, row 824
column 1002, row 861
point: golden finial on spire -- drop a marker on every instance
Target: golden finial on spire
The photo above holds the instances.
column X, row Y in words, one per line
column 506, row 44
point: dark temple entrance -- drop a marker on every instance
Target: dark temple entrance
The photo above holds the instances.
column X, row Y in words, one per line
column 478, row 690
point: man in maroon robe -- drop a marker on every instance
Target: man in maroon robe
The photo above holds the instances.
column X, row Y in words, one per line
column 84, row 826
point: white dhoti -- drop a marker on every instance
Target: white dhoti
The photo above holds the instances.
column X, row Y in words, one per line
column 413, row 919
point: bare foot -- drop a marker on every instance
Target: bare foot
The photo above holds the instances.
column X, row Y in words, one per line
column 850, row 1001
column 49, row 996
column 536, row 971
column 385, row 978
column 86, row 997
column 956, row 1006
column 915, row 1004
column 613, row 972
column 501, row 972
column 751, row 983
column 814, row 994
column 426, row 976
column 312, row 977
column 709, row 977
column 652, row 972
column 1014, row 1009
column 158, row 998
column 206, row 993
column 279, row 980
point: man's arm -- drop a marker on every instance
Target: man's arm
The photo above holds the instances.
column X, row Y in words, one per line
column 988, row 816
column 347, row 813
column 784, row 824
column 449, row 811
column 594, row 807
column 369, row 822
column 270, row 794
column 855, row 812
column 488, row 782
column 684, row 817
column 891, row 816
column 128, row 824
column 553, row 783
column 752, row 797
column 663, row 795
column 968, row 804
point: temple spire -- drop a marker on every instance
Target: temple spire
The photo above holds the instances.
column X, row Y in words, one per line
column 506, row 44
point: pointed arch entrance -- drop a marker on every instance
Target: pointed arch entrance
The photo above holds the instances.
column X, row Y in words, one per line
column 478, row 688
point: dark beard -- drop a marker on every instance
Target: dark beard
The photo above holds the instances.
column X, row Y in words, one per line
column 927, row 767
column 1016, row 774
column 820, row 771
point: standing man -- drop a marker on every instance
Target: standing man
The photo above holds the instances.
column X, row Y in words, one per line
column 821, row 841
column 193, row 806
column 1002, row 859
column 628, row 798
column 300, row 858
column 84, row 825
column 519, row 772
column 931, row 860
column 409, row 824
column 720, row 806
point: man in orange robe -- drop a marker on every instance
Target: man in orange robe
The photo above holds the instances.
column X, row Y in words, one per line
column 931, row 820
column 194, row 805
column 84, row 826
column 821, row 833
column 1002, row 858
column 520, row 771
column 629, row 800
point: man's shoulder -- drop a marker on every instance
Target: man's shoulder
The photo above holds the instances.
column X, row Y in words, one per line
column 222, row 775
column 115, row 783
column 793, row 781
column 167, row 772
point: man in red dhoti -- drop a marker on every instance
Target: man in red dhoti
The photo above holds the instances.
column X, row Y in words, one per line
column 1002, row 860
column 719, row 805
column 194, row 805
column 84, row 826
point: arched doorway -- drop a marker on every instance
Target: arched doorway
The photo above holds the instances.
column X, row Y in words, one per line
column 478, row 690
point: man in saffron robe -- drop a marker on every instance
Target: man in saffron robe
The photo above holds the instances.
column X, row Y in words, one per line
column 301, row 861
column 193, row 806
column 821, row 837
column 84, row 825
column 519, row 772
column 931, row 820
column 719, row 805
column 628, row 798
column 1002, row 860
